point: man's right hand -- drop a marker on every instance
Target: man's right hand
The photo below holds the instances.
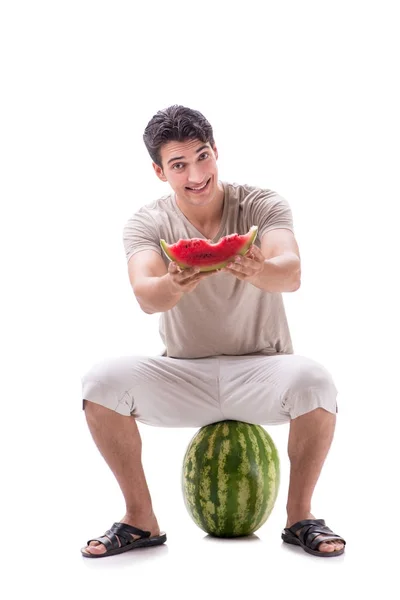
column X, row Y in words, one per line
column 183, row 281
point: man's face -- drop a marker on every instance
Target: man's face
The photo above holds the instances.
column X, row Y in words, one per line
column 191, row 170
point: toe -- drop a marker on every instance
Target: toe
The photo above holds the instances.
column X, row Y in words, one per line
column 339, row 545
column 331, row 546
column 326, row 547
column 95, row 548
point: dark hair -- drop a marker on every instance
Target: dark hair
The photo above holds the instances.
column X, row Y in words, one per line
column 175, row 123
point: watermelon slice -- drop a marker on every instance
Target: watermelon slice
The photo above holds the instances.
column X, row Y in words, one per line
column 198, row 252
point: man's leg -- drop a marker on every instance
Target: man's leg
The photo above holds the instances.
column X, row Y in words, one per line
column 158, row 391
column 270, row 390
column 310, row 438
column 118, row 440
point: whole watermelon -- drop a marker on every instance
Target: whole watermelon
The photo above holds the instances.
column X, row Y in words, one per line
column 230, row 478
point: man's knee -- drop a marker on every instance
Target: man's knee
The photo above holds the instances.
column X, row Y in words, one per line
column 310, row 374
column 99, row 396
column 311, row 386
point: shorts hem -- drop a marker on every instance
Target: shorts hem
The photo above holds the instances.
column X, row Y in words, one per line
column 100, row 393
column 315, row 400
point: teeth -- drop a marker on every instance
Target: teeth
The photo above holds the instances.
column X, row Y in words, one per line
column 200, row 188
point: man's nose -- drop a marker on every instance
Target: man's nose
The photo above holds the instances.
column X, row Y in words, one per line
column 195, row 175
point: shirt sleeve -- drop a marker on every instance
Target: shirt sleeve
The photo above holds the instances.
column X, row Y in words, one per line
column 141, row 233
column 270, row 211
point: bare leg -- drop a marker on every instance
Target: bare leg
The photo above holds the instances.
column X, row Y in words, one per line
column 310, row 438
column 118, row 440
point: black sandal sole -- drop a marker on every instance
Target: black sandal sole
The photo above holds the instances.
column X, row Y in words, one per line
column 294, row 540
column 140, row 543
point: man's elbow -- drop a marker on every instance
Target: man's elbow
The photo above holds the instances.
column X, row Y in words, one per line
column 296, row 281
column 147, row 311
column 142, row 304
column 295, row 287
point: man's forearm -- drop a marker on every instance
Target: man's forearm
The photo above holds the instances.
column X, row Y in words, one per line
column 280, row 274
column 154, row 294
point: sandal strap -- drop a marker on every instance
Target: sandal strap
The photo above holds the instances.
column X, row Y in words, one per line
column 110, row 542
column 123, row 530
column 294, row 528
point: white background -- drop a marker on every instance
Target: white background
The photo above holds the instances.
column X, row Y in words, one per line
column 303, row 99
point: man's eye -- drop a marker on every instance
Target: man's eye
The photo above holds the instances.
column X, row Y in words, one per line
column 177, row 166
column 204, row 155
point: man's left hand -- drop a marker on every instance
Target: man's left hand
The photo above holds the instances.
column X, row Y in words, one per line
column 247, row 266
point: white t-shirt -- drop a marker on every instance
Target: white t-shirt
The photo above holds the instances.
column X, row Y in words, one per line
column 222, row 315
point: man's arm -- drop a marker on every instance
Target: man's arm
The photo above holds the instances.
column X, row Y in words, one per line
column 282, row 264
column 156, row 288
column 149, row 279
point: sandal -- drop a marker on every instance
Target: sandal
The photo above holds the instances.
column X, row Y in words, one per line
column 314, row 533
column 123, row 530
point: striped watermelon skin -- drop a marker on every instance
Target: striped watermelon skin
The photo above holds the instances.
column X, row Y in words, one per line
column 230, row 478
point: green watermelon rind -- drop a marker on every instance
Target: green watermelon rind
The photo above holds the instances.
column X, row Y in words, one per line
column 229, row 496
column 252, row 233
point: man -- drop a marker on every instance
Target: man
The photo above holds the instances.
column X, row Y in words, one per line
column 228, row 352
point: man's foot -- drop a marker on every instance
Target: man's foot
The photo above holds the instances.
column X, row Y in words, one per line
column 331, row 546
column 144, row 524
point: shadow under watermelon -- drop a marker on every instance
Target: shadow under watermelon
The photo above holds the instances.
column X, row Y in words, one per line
column 235, row 540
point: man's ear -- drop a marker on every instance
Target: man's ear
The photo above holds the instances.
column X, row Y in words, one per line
column 215, row 151
column 159, row 172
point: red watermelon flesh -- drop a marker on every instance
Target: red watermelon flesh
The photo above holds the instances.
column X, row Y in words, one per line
column 198, row 252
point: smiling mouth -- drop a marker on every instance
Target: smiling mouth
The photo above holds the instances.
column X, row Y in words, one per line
column 198, row 190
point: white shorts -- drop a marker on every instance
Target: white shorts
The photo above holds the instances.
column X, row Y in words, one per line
column 174, row 392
